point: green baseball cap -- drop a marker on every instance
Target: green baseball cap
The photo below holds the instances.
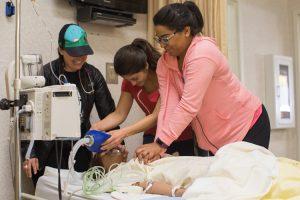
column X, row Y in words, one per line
column 73, row 39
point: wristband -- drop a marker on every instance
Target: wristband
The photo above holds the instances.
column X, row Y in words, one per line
column 161, row 143
column 149, row 185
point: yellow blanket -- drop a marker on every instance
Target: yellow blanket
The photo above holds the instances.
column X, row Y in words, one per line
column 287, row 185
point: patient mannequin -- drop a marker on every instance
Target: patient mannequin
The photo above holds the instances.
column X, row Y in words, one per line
column 110, row 158
column 238, row 169
column 285, row 187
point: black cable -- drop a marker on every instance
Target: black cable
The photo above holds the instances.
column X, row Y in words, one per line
column 61, row 150
column 61, row 153
column 58, row 161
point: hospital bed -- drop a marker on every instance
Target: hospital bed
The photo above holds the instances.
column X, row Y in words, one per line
column 238, row 171
column 47, row 188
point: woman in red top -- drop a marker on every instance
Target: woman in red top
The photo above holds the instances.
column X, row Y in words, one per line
column 136, row 63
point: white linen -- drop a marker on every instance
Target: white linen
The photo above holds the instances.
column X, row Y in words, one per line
column 47, row 188
column 238, row 171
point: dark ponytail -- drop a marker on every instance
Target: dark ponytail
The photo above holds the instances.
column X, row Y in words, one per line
column 132, row 58
column 176, row 16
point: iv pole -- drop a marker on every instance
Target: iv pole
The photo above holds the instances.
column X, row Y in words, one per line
column 17, row 86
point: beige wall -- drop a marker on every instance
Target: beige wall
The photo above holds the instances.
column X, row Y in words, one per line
column 294, row 14
column 266, row 28
column 104, row 40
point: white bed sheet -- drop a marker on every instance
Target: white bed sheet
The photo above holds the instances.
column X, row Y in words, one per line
column 47, row 188
column 238, row 171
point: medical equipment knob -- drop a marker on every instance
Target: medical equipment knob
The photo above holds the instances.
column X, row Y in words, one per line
column 6, row 104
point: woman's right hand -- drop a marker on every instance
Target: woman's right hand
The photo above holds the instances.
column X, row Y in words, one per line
column 116, row 138
column 29, row 165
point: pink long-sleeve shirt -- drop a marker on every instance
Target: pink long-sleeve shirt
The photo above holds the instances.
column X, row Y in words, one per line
column 206, row 94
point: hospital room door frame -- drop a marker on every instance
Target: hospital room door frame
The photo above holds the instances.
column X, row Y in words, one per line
column 296, row 26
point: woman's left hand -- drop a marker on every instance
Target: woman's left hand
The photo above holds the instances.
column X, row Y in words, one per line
column 149, row 152
column 116, row 138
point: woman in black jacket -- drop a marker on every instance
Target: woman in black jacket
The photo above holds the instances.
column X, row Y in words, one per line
column 71, row 67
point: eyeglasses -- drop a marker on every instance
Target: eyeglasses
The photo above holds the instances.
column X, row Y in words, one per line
column 164, row 40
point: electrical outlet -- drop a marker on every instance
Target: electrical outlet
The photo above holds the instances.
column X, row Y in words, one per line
column 111, row 75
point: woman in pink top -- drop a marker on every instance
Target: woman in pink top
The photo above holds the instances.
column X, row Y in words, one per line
column 136, row 63
column 197, row 87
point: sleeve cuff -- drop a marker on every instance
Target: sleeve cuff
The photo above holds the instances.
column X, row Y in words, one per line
column 166, row 139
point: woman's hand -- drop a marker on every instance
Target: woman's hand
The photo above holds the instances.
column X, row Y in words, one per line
column 116, row 138
column 32, row 163
column 149, row 152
